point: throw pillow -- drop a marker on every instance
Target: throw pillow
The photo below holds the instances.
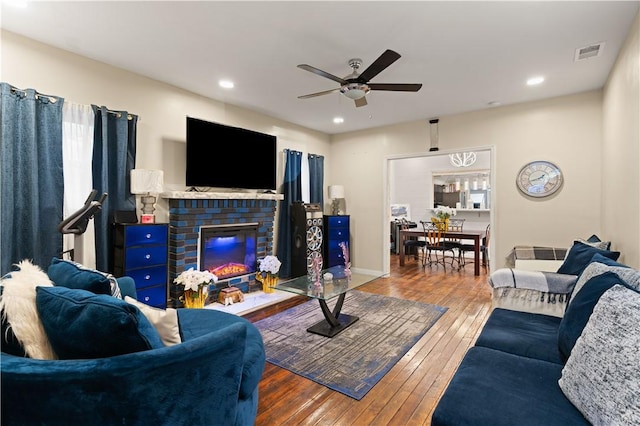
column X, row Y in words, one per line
column 592, row 241
column 595, row 241
column 579, row 257
column 580, row 309
column 74, row 275
column 631, row 277
column 601, row 377
column 22, row 331
column 164, row 320
column 83, row 325
column 606, row 261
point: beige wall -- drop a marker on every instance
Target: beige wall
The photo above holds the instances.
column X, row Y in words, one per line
column 621, row 151
column 565, row 130
column 162, row 108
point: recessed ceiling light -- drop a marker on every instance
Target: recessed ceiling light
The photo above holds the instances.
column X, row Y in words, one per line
column 227, row 84
column 338, row 120
column 535, row 80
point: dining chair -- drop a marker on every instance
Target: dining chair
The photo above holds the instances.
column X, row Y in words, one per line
column 453, row 243
column 484, row 249
column 413, row 246
column 435, row 243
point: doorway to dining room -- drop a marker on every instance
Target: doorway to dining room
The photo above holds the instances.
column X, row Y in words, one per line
column 417, row 183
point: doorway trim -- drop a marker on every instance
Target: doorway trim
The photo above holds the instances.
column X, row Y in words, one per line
column 386, row 202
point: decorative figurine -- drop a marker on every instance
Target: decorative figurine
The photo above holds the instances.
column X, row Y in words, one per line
column 345, row 254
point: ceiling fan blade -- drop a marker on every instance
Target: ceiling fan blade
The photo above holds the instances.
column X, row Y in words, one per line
column 321, row 73
column 401, row 87
column 379, row 65
column 313, row 95
column 361, row 102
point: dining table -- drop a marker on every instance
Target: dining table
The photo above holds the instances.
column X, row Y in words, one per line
column 476, row 236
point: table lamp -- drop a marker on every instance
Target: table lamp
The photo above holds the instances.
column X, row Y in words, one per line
column 336, row 193
column 147, row 182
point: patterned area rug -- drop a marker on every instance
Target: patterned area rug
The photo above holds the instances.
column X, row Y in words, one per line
column 356, row 359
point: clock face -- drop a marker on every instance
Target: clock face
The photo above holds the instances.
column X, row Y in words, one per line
column 539, row 179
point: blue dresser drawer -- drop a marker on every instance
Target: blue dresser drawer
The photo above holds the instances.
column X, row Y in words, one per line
column 338, row 222
column 334, row 244
column 336, row 256
column 145, row 234
column 142, row 257
column 341, row 234
column 147, row 277
column 153, row 296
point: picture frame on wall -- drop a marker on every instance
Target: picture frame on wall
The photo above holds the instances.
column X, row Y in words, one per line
column 400, row 211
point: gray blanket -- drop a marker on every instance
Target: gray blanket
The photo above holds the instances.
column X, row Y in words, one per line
column 551, row 285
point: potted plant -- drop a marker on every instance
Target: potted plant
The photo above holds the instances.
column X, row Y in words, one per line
column 196, row 286
column 442, row 215
column 268, row 275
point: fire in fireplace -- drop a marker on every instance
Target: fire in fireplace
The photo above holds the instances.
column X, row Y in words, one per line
column 228, row 250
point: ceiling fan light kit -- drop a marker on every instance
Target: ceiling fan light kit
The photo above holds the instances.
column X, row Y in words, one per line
column 354, row 90
column 356, row 86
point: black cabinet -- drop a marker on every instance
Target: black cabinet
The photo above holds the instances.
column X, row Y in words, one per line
column 141, row 252
column 336, row 231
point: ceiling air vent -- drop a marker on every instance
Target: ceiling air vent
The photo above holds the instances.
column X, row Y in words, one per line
column 590, row 51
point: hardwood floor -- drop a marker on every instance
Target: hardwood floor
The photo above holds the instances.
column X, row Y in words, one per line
column 408, row 393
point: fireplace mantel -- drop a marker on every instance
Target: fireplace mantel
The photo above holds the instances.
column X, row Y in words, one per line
column 194, row 195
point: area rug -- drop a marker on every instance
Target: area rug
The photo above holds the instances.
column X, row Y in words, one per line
column 356, row 359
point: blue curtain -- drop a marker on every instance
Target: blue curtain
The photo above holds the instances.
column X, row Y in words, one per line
column 316, row 179
column 31, row 182
column 114, row 151
column 292, row 190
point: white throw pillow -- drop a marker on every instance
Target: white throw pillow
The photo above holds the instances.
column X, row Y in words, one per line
column 164, row 320
column 601, row 377
column 18, row 306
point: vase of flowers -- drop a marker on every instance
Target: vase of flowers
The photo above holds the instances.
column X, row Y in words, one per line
column 442, row 215
column 268, row 274
column 196, row 286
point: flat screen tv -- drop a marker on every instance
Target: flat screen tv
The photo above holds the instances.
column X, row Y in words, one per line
column 221, row 156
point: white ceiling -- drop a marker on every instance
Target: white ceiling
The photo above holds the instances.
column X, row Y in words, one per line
column 466, row 54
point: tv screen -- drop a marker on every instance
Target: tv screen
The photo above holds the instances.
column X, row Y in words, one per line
column 222, row 156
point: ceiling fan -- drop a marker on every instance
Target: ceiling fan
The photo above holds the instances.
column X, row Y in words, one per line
column 355, row 86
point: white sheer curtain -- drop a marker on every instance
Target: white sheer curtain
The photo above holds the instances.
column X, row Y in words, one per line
column 304, row 172
column 77, row 155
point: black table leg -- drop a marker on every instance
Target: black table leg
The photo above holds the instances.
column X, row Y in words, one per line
column 334, row 322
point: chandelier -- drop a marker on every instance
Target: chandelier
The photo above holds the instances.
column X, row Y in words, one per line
column 462, row 159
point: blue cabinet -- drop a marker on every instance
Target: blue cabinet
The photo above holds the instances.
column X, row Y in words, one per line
column 336, row 231
column 141, row 252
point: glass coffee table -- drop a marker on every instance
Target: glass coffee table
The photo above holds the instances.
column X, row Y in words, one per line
column 333, row 282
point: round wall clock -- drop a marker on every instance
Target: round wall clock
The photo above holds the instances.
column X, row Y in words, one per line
column 539, row 179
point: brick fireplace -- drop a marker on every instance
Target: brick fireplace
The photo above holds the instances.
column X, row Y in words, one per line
column 189, row 211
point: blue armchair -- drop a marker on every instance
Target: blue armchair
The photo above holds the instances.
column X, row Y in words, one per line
column 211, row 378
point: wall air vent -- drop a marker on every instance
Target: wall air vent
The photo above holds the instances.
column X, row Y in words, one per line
column 587, row 52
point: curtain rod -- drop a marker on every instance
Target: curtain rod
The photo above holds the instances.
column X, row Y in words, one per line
column 117, row 113
column 52, row 99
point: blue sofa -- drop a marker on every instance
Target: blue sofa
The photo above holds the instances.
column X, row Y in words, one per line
column 512, row 375
column 211, row 378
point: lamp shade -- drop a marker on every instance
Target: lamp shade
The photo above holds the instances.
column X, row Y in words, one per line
column 336, row 191
column 145, row 181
